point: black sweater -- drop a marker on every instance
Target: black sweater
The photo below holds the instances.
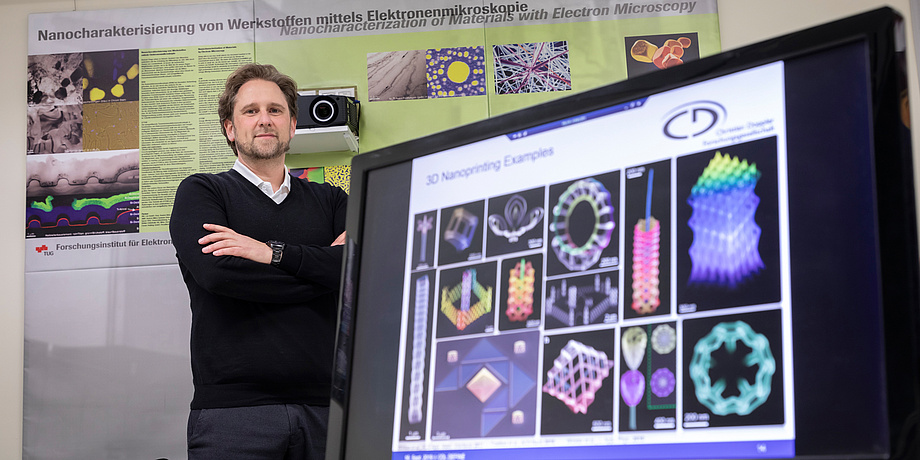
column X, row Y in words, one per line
column 260, row 334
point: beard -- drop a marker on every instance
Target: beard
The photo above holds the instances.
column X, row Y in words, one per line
column 263, row 149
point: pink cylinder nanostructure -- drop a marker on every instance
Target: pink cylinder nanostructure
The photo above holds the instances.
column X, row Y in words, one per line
column 646, row 251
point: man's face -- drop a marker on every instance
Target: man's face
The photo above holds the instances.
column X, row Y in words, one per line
column 261, row 124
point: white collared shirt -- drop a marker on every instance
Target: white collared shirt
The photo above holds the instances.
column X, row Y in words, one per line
column 265, row 187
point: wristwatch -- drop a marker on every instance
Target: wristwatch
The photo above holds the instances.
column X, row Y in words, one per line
column 277, row 251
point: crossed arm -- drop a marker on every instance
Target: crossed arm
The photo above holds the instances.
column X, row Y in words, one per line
column 223, row 241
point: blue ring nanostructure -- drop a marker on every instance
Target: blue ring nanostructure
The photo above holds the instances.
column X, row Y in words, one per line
column 571, row 254
column 750, row 396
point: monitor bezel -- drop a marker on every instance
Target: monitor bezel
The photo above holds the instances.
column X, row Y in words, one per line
column 899, row 256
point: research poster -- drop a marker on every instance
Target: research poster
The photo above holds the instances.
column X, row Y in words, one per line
column 121, row 107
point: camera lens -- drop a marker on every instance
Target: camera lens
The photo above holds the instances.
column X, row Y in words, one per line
column 323, row 111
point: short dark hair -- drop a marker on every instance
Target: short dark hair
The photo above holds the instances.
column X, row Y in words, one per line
column 244, row 74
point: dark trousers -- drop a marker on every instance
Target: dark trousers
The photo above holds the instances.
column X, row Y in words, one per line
column 285, row 431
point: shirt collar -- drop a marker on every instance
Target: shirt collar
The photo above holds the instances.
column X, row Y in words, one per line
column 266, row 187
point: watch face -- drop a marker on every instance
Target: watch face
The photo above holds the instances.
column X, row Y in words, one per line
column 277, row 250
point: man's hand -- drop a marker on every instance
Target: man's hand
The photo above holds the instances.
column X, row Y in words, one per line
column 340, row 240
column 225, row 242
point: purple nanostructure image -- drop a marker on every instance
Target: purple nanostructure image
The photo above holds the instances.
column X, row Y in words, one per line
column 662, row 382
column 454, row 72
column 460, row 229
column 532, row 67
column 725, row 237
column 632, row 388
column 576, row 376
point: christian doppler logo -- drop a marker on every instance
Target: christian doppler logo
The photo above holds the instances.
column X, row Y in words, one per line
column 693, row 119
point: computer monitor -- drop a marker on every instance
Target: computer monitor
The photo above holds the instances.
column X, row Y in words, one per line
column 716, row 260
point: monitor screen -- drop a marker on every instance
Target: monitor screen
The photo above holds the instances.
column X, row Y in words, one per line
column 691, row 264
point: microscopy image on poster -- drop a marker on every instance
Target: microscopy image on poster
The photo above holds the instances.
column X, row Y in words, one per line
column 397, row 75
column 532, row 67
column 111, row 76
column 88, row 193
column 648, row 53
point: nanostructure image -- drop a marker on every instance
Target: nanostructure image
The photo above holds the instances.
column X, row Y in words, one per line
column 532, row 67
column 647, row 53
column 84, row 215
column 648, row 381
column 82, row 193
column 54, row 129
column 662, row 382
column 632, row 383
column 725, row 237
column 461, row 228
column 632, row 388
column 576, row 376
column 55, row 79
column 466, row 302
column 578, row 253
column 634, row 342
column 664, row 339
column 646, row 244
column 111, row 126
column 485, row 387
column 582, row 300
column 397, row 75
column 111, row 76
column 424, row 225
column 520, row 291
column 455, row 72
column 517, row 219
column 751, row 395
column 419, row 346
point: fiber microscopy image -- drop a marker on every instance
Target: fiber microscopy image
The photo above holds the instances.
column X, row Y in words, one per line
column 532, row 67
column 455, row 72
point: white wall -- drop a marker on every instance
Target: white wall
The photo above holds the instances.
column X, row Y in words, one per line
column 742, row 22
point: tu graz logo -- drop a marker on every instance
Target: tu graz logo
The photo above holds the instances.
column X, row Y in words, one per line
column 693, row 118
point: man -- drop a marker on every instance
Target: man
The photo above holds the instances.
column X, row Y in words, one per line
column 261, row 253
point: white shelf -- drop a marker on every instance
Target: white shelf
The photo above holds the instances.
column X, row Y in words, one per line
column 329, row 139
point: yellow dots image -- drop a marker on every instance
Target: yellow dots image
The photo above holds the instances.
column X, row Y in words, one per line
column 96, row 94
column 118, row 91
column 458, row 71
column 133, row 71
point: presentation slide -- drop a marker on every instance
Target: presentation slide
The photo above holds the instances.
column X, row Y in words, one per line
column 613, row 282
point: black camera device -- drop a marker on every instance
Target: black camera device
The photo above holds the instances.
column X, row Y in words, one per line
column 325, row 110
